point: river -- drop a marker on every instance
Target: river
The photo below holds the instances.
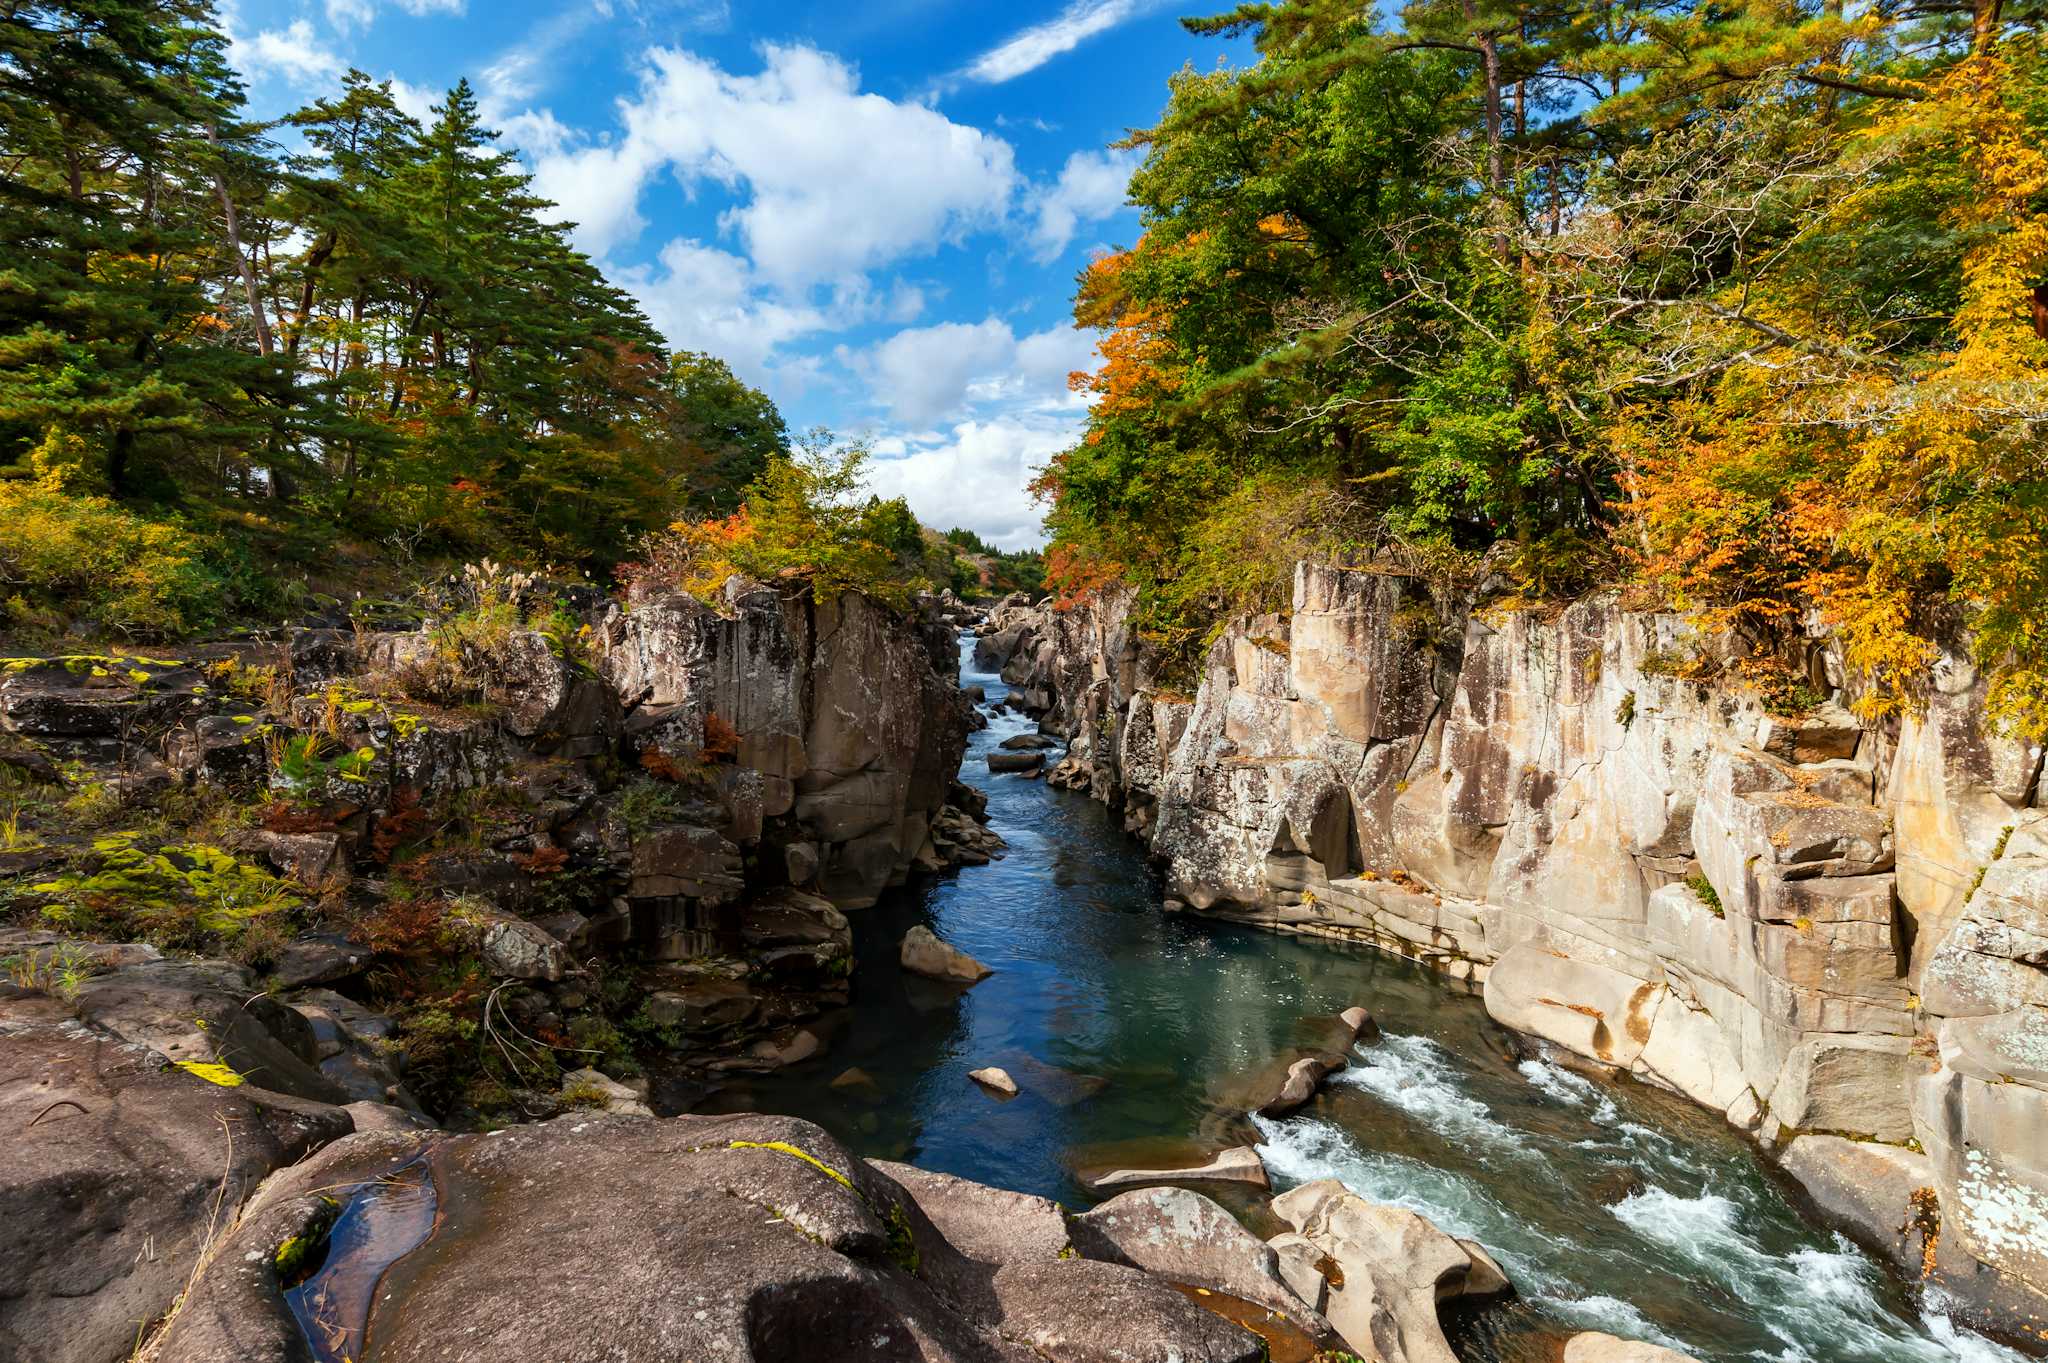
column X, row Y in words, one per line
column 1613, row 1206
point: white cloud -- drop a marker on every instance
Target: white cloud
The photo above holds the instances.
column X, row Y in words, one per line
column 828, row 181
column 291, row 52
column 1091, row 187
column 924, row 374
column 928, row 375
column 703, row 298
column 976, row 477
column 1035, row 46
column 347, row 14
column 416, row 101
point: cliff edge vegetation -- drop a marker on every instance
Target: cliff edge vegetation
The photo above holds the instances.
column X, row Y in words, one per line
column 1743, row 305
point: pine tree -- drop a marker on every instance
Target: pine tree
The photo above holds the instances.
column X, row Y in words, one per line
column 103, row 303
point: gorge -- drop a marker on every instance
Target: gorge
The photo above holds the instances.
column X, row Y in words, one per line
column 1138, row 1036
column 1328, row 682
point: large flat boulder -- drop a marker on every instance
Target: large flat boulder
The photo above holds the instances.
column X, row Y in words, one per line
column 1182, row 1236
column 117, row 1171
column 746, row 1238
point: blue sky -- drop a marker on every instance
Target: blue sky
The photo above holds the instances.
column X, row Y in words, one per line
column 875, row 211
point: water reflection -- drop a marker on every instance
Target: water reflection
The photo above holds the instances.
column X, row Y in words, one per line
column 1613, row 1207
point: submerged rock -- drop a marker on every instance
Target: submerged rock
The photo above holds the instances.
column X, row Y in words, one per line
column 923, row 953
column 1240, row 1164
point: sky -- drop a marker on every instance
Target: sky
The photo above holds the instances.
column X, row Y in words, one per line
column 874, row 210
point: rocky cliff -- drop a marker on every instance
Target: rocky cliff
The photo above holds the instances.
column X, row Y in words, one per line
column 1661, row 850
column 258, row 894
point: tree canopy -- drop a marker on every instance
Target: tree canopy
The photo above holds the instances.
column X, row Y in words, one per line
column 259, row 340
column 1743, row 303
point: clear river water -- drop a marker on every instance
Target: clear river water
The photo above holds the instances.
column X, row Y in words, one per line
column 1612, row 1206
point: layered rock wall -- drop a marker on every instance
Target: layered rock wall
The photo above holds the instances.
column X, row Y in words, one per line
column 1813, row 925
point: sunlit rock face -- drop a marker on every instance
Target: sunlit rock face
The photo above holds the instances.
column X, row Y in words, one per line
column 1811, row 924
column 843, row 712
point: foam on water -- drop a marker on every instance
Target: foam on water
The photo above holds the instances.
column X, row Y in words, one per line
column 1573, row 1090
column 1302, row 1149
column 1418, row 1076
column 1803, row 1298
column 1814, row 1302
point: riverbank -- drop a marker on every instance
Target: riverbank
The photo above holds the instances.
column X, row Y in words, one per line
column 1615, row 1207
column 1660, row 850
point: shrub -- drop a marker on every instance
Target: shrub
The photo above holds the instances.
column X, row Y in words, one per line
column 803, row 517
column 68, row 553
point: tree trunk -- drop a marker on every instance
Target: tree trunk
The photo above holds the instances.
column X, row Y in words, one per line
column 1488, row 43
column 234, row 228
column 314, row 260
column 1984, row 24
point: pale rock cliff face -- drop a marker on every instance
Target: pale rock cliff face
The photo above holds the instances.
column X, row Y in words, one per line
column 1816, row 927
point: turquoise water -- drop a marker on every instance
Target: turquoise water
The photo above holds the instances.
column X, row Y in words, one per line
column 1132, row 1031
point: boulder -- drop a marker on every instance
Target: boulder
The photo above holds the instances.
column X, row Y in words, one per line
column 1882, row 1195
column 1593, row 1347
column 514, row 949
column 210, row 1013
column 1304, row 1076
column 988, row 1225
column 116, row 1172
column 1241, row 1164
column 702, row 1006
column 317, row 958
column 1182, row 1236
column 745, row 1237
column 922, row 953
column 995, row 1079
column 595, row 1089
column 1394, row 1269
column 1001, row 762
column 1363, row 1028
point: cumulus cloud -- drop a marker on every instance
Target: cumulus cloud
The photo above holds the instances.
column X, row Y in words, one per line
column 291, row 52
column 928, row 375
column 704, row 298
column 1091, row 187
column 828, row 181
column 976, row 475
column 1035, row 46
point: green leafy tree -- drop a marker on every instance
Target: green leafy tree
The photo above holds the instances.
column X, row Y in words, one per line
column 730, row 429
